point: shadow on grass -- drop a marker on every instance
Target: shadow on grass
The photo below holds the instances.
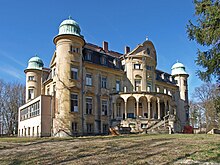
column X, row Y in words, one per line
column 16, row 162
column 211, row 155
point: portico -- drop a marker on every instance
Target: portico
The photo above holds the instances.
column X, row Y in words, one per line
column 142, row 105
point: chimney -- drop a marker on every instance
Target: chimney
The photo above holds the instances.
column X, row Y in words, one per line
column 105, row 46
column 127, row 49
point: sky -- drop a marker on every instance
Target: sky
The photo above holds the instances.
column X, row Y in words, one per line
column 27, row 28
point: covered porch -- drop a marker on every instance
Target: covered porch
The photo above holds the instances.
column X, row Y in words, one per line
column 151, row 106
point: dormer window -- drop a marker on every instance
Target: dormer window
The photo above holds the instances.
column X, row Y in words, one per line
column 137, row 66
column 104, row 60
column 88, row 56
column 116, row 63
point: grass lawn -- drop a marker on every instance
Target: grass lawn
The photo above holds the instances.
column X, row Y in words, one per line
column 129, row 149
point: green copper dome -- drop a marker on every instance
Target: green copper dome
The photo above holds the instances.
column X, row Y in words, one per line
column 69, row 26
column 178, row 68
column 35, row 63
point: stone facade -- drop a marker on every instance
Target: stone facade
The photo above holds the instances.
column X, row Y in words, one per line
column 92, row 88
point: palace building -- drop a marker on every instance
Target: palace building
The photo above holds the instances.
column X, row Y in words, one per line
column 87, row 89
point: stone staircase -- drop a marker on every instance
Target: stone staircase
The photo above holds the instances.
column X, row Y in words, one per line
column 144, row 125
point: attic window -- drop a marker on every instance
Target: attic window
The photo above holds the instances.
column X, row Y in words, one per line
column 88, row 56
column 104, row 60
column 116, row 62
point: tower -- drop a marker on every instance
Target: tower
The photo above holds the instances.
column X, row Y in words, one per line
column 68, row 63
column 180, row 76
column 33, row 78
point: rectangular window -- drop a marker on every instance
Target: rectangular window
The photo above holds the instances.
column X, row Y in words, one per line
column 184, row 82
column 88, row 56
column 74, row 49
column 118, row 110
column 137, row 66
column 165, row 91
column 149, row 87
column 31, row 78
column 37, row 131
column 88, row 105
column 30, row 94
column 148, row 67
column 89, row 79
column 74, row 73
column 89, row 128
column 105, row 128
column 74, row 102
column 104, row 107
column 54, row 87
column 48, row 90
column 29, row 131
column 118, row 88
column 158, row 89
column 104, row 82
column 137, row 84
column 103, row 60
column 74, row 127
column 54, row 72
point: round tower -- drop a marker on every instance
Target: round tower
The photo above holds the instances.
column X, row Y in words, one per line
column 180, row 76
column 69, row 43
column 33, row 78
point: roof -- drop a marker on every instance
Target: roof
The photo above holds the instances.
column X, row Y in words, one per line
column 178, row 68
column 100, row 49
column 69, row 26
column 35, row 63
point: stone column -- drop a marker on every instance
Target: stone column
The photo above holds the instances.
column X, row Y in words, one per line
column 148, row 105
column 158, row 108
column 165, row 107
column 154, row 108
column 170, row 109
column 137, row 103
column 114, row 110
column 125, row 110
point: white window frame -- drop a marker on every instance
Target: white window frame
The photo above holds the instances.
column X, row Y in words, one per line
column 74, row 73
column 74, row 102
column 89, row 79
column 104, row 107
column 137, row 66
column 104, row 82
column 30, row 94
column 30, row 78
column 118, row 86
column 89, row 105
column 137, row 85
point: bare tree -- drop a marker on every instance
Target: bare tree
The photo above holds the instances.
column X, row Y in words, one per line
column 197, row 114
column 206, row 96
column 12, row 96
